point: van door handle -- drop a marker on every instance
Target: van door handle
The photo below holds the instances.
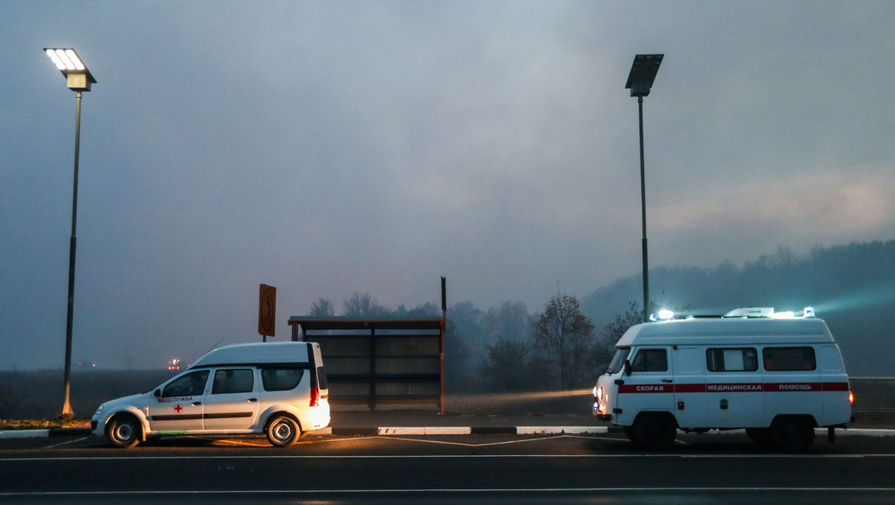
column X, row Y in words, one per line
column 197, row 403
column 667, row 380
column 253, row 399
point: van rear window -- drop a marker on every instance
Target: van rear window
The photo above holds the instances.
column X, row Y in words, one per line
column 788, row 359
column 281, row 379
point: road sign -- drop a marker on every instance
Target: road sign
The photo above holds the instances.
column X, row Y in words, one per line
column 267, row 311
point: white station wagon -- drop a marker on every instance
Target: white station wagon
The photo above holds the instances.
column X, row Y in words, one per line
column 277, row 389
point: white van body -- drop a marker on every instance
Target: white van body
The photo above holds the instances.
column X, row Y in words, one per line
column 274, row 388
column 778, row 378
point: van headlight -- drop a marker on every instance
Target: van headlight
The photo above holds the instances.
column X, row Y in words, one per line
column 599, row 394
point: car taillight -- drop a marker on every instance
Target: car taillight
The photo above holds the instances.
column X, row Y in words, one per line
column 851, row 398
column 315, row 396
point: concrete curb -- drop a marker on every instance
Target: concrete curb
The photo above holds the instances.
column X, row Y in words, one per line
column 44, row 433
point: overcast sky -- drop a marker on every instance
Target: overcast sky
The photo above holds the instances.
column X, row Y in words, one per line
column 329, row 148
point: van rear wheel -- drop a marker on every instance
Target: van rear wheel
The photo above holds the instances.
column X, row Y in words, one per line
column 793, row 434
column 283, row 431
column 654, row 431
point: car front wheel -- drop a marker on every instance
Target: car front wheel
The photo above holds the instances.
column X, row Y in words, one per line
column 123, row 431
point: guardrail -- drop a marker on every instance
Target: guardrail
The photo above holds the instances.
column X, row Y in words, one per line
column 874, row 396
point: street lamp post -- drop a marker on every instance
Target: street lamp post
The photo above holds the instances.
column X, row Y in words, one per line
column 640, row 80
column 78, row 79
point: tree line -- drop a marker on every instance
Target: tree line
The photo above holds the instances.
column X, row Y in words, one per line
column 506, row 348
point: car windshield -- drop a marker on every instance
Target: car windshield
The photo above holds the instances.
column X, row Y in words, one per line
column 621, row 354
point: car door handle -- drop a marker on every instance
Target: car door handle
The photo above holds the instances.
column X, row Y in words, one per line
column 667, row 380
column 253, row 399
column 197, row 403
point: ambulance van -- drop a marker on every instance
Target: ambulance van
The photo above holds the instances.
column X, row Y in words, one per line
column 778, row 378
column 276, row 389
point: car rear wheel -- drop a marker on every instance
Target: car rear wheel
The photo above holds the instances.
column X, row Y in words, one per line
column 124, row 431
column 283, row 431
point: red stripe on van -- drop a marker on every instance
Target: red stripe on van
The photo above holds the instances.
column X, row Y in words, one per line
column 737, row 387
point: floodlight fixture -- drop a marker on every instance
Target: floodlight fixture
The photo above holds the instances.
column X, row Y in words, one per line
column 643, row 73
column 72, row 67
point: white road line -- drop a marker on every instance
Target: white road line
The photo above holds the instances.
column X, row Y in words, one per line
column 452, row 456
column 69, row 442
column 484, row 444
column 425, row 430
column 635, row 490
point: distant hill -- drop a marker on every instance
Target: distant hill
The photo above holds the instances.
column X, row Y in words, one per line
column 852, row 287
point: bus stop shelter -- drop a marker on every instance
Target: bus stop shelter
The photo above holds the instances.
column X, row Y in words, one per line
column 379, row 364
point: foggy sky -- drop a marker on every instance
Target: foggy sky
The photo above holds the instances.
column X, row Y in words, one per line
column 328, row 148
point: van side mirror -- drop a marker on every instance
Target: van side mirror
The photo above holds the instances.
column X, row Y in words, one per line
column 157, row 393
column 627, row 367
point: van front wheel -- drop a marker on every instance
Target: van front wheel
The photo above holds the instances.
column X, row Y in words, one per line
column 654, row 431
column 283, row 431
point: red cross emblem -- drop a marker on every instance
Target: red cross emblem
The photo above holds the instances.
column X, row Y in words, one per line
column 178, row 409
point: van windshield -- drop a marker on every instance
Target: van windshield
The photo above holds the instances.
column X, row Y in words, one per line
column 621, row 354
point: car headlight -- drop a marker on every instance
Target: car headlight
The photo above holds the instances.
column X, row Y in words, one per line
column 99, row 411
column 599, row 394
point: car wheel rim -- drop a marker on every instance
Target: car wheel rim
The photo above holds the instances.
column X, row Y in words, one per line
column 283, row 431
column 124, row 432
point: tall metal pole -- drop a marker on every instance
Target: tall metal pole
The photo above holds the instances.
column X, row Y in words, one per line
column 66, row 406
column 643, row 213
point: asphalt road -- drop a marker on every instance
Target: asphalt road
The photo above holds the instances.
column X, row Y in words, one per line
column 460, row 469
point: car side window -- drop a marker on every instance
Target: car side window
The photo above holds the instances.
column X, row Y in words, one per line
column 650, row 360
column 191, row 384
column 228, row 381
column 731, row 360
column 788, row 359
column 281, row 379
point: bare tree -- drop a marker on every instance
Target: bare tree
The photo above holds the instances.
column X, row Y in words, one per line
column 566, row 338
column 322, row 308
column 363, row 305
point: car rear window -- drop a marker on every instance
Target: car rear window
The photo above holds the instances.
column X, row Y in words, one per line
column 281, row 379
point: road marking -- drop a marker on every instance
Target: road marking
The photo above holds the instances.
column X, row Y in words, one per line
column 60, row 444
column 572, row 490
column 483, row 444
column 451, row 456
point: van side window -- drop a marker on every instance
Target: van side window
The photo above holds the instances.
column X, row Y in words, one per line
column 191, row 384
column 788, row 359
column 650, row 360
column 731, row 360
column 233, row 381
column 281, row 379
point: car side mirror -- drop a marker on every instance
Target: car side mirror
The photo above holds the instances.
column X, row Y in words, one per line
column 627, row 367
column 157, row 393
